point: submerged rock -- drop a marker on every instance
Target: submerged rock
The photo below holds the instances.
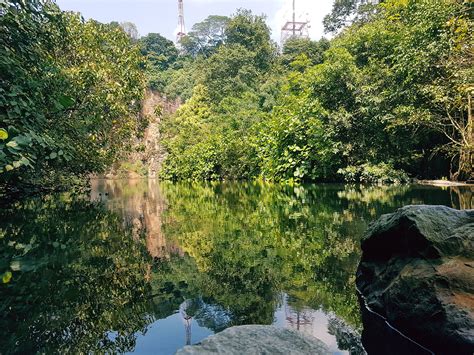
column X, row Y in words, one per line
column 417, row 271
column 257, row 339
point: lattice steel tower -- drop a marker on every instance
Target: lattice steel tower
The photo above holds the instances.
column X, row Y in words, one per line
column 294, row 29
column 181, row 26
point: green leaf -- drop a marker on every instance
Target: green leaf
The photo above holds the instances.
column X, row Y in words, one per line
column 53, row 155
column 12, row 144
column 23, row 140
column 7, row 276
column 66, row 101
column 3, row 134
column 24, row 161
column 15, row 265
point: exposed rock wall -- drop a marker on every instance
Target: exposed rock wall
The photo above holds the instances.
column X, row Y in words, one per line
column 155, row 107
column 147, row 153
column 417, row 271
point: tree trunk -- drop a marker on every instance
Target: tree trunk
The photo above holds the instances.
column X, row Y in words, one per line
column 470, row 138
column 465, row 169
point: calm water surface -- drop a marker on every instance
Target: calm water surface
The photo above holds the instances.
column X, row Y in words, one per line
column 141, row 267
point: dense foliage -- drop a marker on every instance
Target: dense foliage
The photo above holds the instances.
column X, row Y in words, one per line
column 205, row 36
column 245, row 264
column 70, row 94
column 388, row 98
column 385, row 100
column 72, row 273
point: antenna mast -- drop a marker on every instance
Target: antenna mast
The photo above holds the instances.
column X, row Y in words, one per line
column 294, row 19
column 294, row 29
column 181, row 26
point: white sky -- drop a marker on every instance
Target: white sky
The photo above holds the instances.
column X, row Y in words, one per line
column 161, row 15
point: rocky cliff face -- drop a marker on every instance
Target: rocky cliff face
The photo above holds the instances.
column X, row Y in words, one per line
column 147, row 153
column 155, row 107
column 417, row 272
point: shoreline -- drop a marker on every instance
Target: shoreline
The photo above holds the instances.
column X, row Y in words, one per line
column 447, row 183
column 439, row 183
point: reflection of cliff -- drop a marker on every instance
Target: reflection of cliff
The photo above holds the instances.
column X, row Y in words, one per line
column 347, row 338
column 141, row 205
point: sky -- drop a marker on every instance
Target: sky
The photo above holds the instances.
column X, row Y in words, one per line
column 161, row 15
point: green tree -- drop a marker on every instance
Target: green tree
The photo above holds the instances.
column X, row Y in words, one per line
column 294, row 143
column 70, row 94
column 130, row 29
column 251, row 32
column 159, row 51
column 389, row 96
column 209, row 141
column 434, row 59
column 381, row 95
column 313, row 50
column 181, row 81
column 347, row 12
column 206, row 36
column 230, row 71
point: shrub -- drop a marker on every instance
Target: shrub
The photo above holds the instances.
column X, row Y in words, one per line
column 380, row 173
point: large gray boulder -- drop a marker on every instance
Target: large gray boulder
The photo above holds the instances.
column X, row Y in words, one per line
column 417, row 272
column 257, row 339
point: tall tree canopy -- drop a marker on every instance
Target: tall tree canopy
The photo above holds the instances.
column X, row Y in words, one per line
column 206, row 36
column 251, row 32
column 130, row 29
column 387, row 98
column 313, row 50
column 346, row 12
column 390, row 96
column 69, row 93
column 159, row 51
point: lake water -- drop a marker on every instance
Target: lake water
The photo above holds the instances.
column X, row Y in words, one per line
column 142, row 267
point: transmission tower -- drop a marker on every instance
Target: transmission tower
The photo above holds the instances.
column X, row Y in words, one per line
column 294, row 29
column 181, row 26
column 187, row 319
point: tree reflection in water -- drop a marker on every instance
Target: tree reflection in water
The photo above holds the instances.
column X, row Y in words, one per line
column 76, row 276
column 93, row 275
